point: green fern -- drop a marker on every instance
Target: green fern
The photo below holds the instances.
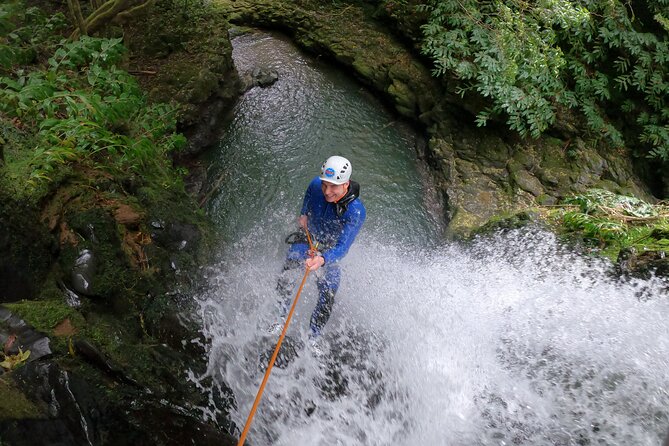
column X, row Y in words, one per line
column 529, row 59
column 614, row 221
column 87, row 111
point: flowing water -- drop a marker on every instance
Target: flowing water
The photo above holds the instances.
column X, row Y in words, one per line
column 512, row 340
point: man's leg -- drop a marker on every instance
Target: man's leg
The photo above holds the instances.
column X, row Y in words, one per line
column 327, row 288
column 285, row 285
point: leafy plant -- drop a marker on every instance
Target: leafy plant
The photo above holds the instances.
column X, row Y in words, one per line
column 26, row 33
column 88, row 111
column 615, row 220
column 603, row 202
column 10, row 362
column 532, row 58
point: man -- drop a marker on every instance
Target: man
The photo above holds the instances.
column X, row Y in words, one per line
column 333, row 214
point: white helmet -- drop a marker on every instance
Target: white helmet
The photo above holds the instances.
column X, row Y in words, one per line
column 336, row 170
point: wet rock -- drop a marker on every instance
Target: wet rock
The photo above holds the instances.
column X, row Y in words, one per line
column 103, row 271
column 177, row 236
column 259, row 77
column 90, row 233
column 177, row 330
column 164, row 424
column 661, row 233
column 93, row 356
column 15, row 334
column 643, row 264
column 351, row 350
column 264, row 77
column 287, row 354
column 71, row 298
column 525, row 180
column 515, row 221
column 404, row 98
column 72, row 413
column 83, row 273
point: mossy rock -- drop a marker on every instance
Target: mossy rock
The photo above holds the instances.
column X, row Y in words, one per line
column 99, row 233
column 45, row 315
column 405, row 99
column 462, row 224
column 643, row 263
column 192, row 66
column 15, row 405
column 506, row 222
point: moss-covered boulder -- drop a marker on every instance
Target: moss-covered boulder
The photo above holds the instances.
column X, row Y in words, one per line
column 181, row 54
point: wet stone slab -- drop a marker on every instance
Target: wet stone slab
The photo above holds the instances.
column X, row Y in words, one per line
column 16, row 334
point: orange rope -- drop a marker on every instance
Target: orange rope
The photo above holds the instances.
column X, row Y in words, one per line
column 275, row 354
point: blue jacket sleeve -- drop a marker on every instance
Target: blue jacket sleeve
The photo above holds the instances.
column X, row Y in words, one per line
column 307, row 195
column 354, row 218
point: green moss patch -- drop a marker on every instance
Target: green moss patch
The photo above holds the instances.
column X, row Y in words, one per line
column 14, row 404
column 45, row 315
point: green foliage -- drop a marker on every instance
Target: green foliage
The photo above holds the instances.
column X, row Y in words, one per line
column 598, row 228
column 532, row 58
column 605, row 202
column 87, row 112
column 616, row 221
column 26, row 33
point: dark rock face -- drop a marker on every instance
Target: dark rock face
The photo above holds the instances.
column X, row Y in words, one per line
column 98, row 404
column 164, row 425
column 264, row 77
column 193, row 67
column 212, row 113
column 643, row 264
column 73, row 412
column 176, row 236
column 15, row 283
column 27, row 250
column 76, row 413
column 97, row 266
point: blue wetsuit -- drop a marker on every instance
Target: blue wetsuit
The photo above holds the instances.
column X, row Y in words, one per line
column 334, row 227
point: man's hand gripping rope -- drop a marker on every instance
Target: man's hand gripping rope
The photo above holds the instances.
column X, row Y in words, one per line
column 315, row 259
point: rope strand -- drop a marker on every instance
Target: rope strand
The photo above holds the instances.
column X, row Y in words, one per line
column 249, row 420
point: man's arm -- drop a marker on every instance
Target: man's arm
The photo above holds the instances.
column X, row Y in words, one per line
column 307, row 196
column 355, row 217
